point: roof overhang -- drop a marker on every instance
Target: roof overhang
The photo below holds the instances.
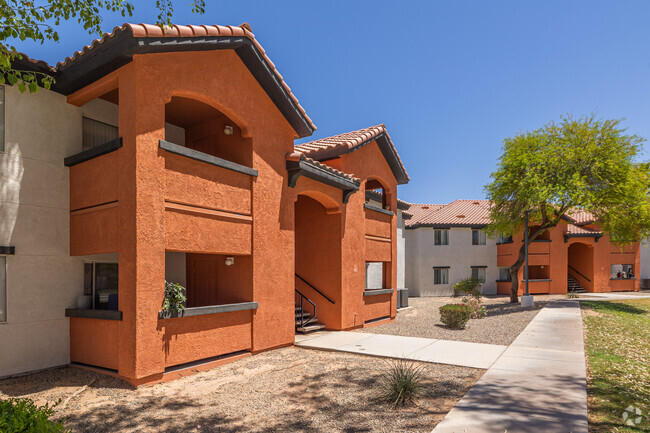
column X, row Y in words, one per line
column 118, row 50
column 447, row 226
column 321, row 173
column 596, row 236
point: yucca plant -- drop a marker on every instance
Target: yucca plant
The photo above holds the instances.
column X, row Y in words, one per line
column 402, row 382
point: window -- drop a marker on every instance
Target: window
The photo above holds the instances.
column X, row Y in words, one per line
column 504, row 274
column 3, row 289
column 503, row 239
column 96, row 133
column 622, row 271
column 101, row 282
column 479, row 274
column 374, row 275
column 2, row 118
column 478, row 237
column 441, row 237
column 440, row 275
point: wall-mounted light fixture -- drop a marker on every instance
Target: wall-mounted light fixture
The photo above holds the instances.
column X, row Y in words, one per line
column 230, row 261
column 228, row 130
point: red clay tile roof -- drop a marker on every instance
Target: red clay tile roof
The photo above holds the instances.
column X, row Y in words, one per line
column 329, row 169
column 581, row 217
column 176, row 31
column 337, row 145
column 576, row 230
column 459, row 213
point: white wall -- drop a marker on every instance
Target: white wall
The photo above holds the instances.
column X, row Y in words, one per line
column 374, row 272
column 42, row 279
column 645, row 260
column 460, row 255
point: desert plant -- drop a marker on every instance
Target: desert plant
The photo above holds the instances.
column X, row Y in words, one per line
column 469, row 286
column 21, row 415
column 402, row 382
column 174, row 298
column 571, row 294
column 455, row 316
column 478, row 309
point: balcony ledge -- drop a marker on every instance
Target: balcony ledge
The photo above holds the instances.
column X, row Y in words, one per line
column 533, row 281
column 632, row 278
column 211, row 309
column 204, row 157
column 93, row 314
column 373, row 292
column 378, row 209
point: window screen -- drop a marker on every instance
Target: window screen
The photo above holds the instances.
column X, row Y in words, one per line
column 96, row 133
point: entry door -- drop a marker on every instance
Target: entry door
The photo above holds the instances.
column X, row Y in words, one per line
column 202, row 280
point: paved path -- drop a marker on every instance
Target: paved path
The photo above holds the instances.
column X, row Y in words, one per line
column 538, row 384
column 460, row 353
column 613, row 296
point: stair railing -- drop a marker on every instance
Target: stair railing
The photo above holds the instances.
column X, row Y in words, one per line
column 578, row 272
column 301, row 300
column 318, row 291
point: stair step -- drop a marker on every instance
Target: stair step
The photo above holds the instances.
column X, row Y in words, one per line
column 304, row 314
column 310, row 328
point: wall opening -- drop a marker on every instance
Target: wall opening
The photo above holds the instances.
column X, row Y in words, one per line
column 580, row 264
column 376, row 194
column 203, row 128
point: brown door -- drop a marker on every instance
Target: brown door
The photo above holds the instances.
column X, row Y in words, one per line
column 201, row 280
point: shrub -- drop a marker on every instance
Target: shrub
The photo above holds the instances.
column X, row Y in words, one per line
column 478, row 310
column 455, row 316
column 21, row 415
column 469, row 286
column 174, row 298
column 402, row 382
column 571, row 294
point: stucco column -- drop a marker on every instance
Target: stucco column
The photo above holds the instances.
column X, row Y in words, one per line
column 141, row 209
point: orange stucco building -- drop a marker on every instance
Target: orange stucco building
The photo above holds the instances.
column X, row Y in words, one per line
column 203, row 186
column 575, row 253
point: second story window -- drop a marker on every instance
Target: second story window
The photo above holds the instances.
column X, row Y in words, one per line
column 504, row 274
column 440, row 275
column 441, row 237
column 478, row 237
column 96, row 133
column 503, row 239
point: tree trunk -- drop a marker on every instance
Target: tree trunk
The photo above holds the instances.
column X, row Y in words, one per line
column 514, row 274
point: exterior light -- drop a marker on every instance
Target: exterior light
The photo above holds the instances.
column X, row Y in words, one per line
column 230, row 261
column 228, row 130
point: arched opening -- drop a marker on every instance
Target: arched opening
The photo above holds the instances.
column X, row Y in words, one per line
column 317, row 263
column 377, row 194
column 199, row 126
column 580, row 269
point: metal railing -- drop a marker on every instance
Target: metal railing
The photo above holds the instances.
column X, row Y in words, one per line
column 317, row 291
column 301, row 310
column 577, row 272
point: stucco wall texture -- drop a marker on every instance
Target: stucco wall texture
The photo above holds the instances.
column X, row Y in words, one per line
column 148, row 208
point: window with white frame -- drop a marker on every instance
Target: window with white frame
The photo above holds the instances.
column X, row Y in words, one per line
column 441, row 237
column 101, row 282
column 504, row 274
column 479, row 273
column 440, row 275
column 3, row 289
column 478, row 237
column 2, row 118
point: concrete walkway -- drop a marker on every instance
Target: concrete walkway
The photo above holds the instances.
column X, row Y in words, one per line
column 460, row 353
column 538, row 385
column 613, row 296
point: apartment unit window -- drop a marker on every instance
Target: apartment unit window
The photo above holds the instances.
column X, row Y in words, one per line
column 101, row 282
column 2, row 118
column 3, row 289
column 503, row 239
column 479, row 273
column 441, row 237
column 96, row 133
column 504, row 274
column 622, row 271
column 478, row 237
column 440, row 275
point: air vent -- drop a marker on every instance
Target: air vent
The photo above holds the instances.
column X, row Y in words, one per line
column 476, row 202
column 460, row 216
column 425, row 207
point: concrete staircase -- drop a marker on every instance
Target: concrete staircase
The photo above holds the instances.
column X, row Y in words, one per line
column 308, row 323
column 574, row 286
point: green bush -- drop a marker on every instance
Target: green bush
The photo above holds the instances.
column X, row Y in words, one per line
column 174, row 298
column 21, row 415
column 469, row 286
column 402, row 382
column 455, row 316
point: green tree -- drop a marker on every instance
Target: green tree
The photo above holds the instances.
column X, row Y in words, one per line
column 576, row 163
column 38, row 21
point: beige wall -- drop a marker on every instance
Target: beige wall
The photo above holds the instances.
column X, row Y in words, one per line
column 42, row 279
column 460, row 255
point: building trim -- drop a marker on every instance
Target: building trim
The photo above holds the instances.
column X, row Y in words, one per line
column 373, row 292
column 212, row 309
column 302, row 167
column 7, row 250
column 447, row 226
column 478, row 267
column 93, row 314
column 378, row 209
column 94, row 152
column 177, row 149
column 441, row 267
column 568, row 236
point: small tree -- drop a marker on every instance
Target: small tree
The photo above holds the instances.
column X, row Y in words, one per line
column 583, row 163
column 23, row 20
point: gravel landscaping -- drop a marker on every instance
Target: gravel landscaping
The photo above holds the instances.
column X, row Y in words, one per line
column 288, row 389
column 504, row 321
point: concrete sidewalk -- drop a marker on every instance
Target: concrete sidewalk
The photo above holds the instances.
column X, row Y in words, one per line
column 613, row 296
column 538, row 385
column 459, row 353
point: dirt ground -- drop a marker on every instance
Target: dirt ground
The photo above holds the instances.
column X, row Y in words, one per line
column 503, row 323
column 285, row 390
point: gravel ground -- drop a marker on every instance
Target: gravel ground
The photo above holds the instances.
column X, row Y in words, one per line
column 504, row 321
column 283, row 390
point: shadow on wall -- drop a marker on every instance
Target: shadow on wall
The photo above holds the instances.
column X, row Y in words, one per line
column 11, row 176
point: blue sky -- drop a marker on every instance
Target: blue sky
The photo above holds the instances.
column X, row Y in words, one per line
column 449, row 79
